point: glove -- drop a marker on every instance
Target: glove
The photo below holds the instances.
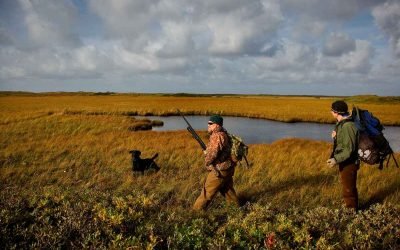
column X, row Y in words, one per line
column 331, row 162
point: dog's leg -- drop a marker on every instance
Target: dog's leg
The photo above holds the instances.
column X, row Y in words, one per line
column 154, row 166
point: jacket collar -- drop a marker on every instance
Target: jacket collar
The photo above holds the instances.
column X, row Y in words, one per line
column 345, row 119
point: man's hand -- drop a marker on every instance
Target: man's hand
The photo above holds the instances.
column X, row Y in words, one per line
column 333, row 134
column 331, row 162
column 212, row 168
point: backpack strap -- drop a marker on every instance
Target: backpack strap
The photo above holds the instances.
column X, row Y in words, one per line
column 356, row 116
column 387, row 163
column 381, row 163
column 247, row 162
column 394, row 158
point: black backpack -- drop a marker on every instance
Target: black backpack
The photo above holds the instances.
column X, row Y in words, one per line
column 373, row 148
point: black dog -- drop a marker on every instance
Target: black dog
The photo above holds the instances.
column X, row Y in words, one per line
column 140, row 165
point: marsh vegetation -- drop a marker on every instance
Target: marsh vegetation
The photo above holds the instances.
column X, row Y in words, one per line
column 66, row 181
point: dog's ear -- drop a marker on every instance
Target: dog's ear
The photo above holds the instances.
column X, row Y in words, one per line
column 138, row 152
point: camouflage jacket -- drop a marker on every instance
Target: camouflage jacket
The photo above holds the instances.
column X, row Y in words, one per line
column 218, row 152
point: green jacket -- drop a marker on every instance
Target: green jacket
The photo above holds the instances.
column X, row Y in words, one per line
column 346, row 142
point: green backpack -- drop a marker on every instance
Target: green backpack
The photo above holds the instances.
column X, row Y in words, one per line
column 239, row 150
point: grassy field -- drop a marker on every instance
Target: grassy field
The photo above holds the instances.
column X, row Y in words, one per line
column 280, row 108
column 66, row 181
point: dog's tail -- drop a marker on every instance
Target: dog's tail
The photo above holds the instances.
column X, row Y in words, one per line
column 155, row 156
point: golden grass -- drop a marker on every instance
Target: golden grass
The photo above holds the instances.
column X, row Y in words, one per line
column 281, row 108
column 44, row 146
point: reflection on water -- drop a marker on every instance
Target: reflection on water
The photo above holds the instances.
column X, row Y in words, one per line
column 255, row 131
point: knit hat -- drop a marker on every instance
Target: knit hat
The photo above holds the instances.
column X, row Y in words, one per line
column 339, row 107
column 216, row 119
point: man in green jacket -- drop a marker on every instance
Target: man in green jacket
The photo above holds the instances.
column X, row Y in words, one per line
column 345, row 153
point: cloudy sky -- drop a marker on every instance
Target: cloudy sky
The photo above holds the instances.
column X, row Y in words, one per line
column 323, row 47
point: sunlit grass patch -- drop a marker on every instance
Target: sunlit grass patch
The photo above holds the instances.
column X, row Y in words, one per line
column 281, row 108
column 66, row 180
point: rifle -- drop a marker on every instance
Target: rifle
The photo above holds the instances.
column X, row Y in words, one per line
column 199, row 140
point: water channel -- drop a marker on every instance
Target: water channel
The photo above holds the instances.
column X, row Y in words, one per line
column 254, row 131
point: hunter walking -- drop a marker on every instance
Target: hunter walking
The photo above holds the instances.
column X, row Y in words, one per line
column 219, row 164
column 345, row 153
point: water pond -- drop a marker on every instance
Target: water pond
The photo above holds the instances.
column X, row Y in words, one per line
column 254, row 131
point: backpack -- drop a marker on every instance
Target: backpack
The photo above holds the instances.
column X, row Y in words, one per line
column 373, row 148
column 239, row 150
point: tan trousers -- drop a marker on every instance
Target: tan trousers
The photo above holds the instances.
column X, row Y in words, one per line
column 214, row 184
column 348, row 178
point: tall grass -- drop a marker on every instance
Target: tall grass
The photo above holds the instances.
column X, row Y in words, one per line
column 281, row 108
column 66, row 181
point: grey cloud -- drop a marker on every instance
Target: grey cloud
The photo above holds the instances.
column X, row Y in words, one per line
column 271, row 49
column 289, row 59
column 223, row 6
column 51, row 23
column 147, row 25
column 387, row 71
column 203, row 44
column 125, row 18
column 133, row 62
column 293, row 57
column 178, row 27
column 357, row 61
column 243, row 27
column 176, row 40
column 55, row 63
column 338, row 10
column 307, row 64
column 314, row 17
column 308, row 28
column 5, row 38
column 338, row 44
column 387, row 17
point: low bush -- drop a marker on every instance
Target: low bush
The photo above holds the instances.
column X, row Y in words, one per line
column 92, row 219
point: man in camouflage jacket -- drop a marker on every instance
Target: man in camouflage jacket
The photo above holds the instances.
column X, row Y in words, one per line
column 219, row 164
column 345, row 153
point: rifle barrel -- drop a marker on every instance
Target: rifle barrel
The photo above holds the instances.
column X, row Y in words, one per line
column 197, row 138
column 193, row 132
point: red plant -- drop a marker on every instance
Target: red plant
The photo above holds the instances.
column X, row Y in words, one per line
column 269, row 241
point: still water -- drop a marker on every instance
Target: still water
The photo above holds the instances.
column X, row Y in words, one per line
column 255, row 131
